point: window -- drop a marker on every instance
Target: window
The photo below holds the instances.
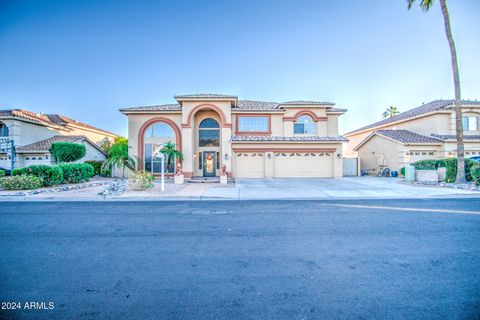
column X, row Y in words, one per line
column 3, row 130
column 304, row 125
column 253, row 124
column 470, row 123
column 209, row 133
column 155, row 137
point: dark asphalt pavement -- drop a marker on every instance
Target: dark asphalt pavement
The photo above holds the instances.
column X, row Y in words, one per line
column 242, row 260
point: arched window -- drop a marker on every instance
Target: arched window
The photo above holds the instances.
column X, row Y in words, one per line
column 304, row 125
column 3, row 130
column 209, row 133
column 156, row 135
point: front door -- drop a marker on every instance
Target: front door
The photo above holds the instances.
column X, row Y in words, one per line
column 209, row 162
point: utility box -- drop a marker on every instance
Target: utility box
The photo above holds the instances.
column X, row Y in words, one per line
column 410, row 173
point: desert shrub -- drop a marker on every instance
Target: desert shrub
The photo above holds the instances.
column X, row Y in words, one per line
column 97, row 166
column 76, row 172
column 141, row 180
column 402, row 171
column 67, row 151
column 2, row 173
column 19, row 171
column 89, row 169
column 21, row 182
column 51, row 176
column 106, row 173
column 475, row 174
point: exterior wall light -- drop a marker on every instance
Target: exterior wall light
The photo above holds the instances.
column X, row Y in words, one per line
column 339, row 155
column 195, row 156
column 226, row 156
column 269, row 156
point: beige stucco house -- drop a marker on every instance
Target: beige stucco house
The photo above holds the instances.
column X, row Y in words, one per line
column 253, row 139
column 425, row 132
column 33, row 134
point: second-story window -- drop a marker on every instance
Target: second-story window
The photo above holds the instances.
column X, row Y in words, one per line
column 304, row 125
column 209, row 133
column 470, row 123
column 253, row 124
column 3, row 130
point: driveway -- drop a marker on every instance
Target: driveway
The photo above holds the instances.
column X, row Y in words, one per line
column 362, row 259
column 354, row 187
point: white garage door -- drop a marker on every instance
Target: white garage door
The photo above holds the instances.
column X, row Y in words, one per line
column 249, row 165
column 312, row 165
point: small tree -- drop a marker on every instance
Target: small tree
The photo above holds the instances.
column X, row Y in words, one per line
column 118, row 156
column 170, row 152
column 390, row 112
column 67, row 151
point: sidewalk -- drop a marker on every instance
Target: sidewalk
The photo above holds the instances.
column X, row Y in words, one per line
column 261, row 189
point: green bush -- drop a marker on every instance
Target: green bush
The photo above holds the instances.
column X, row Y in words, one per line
column 67, row 151
column 402, row 171
column 2, row 173
column 426, row 165
column 97, row 166
column 106, row 172
column 76, row 172
column 141, row 180
column 475, row 174
column 21, row 182
column 51, row 176
column 19, row 171
column 451, row 165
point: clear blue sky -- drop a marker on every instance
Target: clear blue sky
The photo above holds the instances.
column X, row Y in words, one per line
column 86, row 59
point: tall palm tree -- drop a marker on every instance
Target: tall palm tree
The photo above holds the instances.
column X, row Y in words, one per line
column 390, row 112
column 118, row 156
column 426, row 5
column 171, row 152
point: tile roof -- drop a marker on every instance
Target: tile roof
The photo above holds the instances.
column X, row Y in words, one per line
column 162, row 107
column 423, row 109
column 405, row 136
column 301, row 102
column 64, row 121
column 242, row 105
column 257, row 105
column 44, row 145
column 54, row 120
column 295, row 138
column 204, row 95
column 452, row 137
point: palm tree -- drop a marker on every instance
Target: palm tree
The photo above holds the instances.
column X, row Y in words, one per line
column 118, row 156
column 426, row 5
column 390, row 112
column 170, row 152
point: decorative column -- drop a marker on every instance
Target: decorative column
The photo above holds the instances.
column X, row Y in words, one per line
column 187, row 150
column 226, row 148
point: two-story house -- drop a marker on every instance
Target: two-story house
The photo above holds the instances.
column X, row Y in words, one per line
column 253, row 139
column 32, row 135
column 425, row 132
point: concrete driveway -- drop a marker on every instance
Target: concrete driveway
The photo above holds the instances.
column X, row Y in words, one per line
column 354, row 187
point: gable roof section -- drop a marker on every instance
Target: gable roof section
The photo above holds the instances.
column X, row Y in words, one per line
column 404, row 137
column 46, row 144
column 435, row 105
column 307, row 102
column 52, row 120
column 65, row 121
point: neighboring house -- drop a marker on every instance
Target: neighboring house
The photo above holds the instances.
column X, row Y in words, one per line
column 253, row 139
column 425, row 132
column 33, row 133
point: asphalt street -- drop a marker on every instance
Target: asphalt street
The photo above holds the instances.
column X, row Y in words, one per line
column 375, row 259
